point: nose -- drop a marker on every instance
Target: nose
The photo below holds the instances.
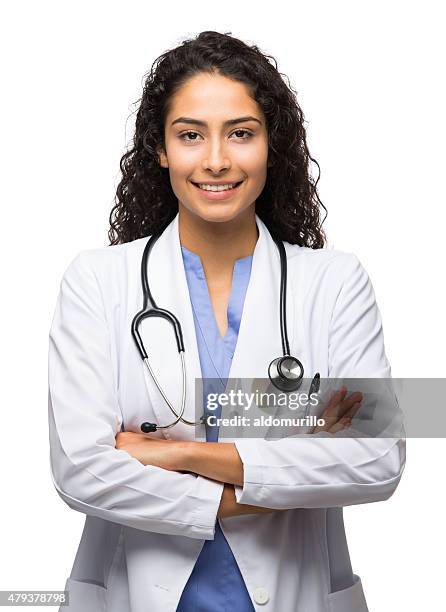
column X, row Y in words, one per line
column 216, row 159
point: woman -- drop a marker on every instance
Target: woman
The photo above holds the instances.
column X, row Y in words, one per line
column 174, row 523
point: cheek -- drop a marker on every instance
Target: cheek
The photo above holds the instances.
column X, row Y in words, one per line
column 182, row 162
column 253, row 161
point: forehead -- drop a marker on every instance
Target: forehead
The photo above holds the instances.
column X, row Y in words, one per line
column 212, row 97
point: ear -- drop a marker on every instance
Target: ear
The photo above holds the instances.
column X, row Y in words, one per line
column 162, row 158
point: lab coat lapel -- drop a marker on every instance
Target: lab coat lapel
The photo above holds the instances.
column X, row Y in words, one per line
column 259, row 338
column 259, row 333
column 168, row 284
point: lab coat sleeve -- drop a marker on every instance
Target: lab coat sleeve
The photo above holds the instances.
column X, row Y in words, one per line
column 325, row 470
column 89, row 473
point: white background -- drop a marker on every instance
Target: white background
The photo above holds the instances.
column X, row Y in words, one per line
column 369, row 80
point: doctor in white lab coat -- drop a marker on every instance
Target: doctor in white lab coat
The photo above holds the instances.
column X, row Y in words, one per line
column 146, row 525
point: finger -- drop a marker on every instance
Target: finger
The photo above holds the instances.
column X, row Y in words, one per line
column 337, row 407
column 347, row 404
column 334, row 424
column 337, row 396
column 346, row 421
column 343, row 404
column 343, row 423
column 353, row 410
column 333, row 402
column 328, row 422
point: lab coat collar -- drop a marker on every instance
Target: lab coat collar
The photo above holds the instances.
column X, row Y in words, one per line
column 259, row 339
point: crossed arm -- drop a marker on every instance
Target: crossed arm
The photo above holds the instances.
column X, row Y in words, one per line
column 221, row 461
column 215, row 460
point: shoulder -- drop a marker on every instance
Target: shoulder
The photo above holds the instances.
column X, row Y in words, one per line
column 329, row 266
column 106, row 262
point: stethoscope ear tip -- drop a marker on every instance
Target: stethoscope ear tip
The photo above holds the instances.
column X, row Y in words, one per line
column 148, row 427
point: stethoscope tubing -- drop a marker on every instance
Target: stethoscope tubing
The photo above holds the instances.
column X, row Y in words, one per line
column 283, row 380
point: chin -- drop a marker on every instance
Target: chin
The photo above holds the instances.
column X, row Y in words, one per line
column 219, row 216
column 218, row 213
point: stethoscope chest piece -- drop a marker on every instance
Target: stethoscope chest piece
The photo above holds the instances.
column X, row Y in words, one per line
column 286, row 373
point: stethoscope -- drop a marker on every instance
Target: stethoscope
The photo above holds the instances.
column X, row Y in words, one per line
column 285, row 372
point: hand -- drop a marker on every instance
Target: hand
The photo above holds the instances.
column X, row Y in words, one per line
column 339, row 411
column 150, row 451
column 230, row 507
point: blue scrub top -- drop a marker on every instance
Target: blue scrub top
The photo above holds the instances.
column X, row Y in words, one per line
column 215, row 584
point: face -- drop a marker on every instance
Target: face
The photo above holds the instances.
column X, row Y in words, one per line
column 215, row 133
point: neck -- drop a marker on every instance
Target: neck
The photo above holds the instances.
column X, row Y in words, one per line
column 219, row 245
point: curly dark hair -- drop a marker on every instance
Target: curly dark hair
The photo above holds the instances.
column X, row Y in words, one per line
column 289, row 204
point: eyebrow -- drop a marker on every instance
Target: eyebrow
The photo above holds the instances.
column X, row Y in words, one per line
column 226, row 123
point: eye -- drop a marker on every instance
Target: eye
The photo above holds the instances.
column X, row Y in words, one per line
column 191, row 136
column 243, row 132
column 182, row 136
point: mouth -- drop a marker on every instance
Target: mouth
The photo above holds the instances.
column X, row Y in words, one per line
column 217, row 192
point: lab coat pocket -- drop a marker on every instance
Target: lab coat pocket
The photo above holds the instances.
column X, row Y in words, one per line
column 85, row 596
column 351, row 599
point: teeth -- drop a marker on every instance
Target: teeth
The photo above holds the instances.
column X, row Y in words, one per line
column 207, row 187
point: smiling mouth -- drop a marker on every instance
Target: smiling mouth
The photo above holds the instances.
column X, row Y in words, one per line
column 217, row 187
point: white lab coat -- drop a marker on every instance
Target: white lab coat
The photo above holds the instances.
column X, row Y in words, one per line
column 145, row 526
